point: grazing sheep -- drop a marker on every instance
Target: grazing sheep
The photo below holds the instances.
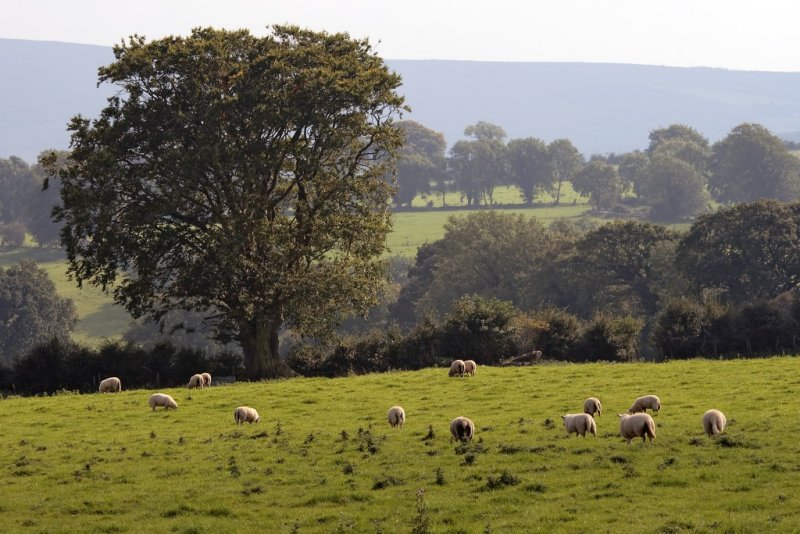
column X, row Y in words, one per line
column 245, row 414
column 462, row 429
column 592, row 406
column 469, row 367
column 643, row 403
column 457, row 368
column 714, row 422
column 206, row 379
column 197, row 381
column 162, row 399
column 397, row 416
column 580, row 423
column 110, row 385
column 637, row 425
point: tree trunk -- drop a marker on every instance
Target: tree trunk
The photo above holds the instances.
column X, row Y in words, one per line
column 259, row 339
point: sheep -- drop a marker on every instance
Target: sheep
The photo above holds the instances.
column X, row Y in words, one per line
column 469, row 367
column 580, row 423
column 592, row 406
column 110, row 385
column 714, row 422
column 397, row 416
column 637, row 425
column 206, row 379
column 245, row 414
column 162, row 399
column 197, row 381
column 462, row 429
column 643, row 403
column 457, row 368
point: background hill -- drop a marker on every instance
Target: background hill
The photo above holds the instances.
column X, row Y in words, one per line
column 600, row 107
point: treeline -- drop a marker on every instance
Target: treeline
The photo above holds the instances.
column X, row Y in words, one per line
column 621, row 291
column 676, row 176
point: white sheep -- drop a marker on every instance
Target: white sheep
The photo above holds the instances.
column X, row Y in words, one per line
column 469, row 367
column 714, row 422
column 397, row 416
column 110, row 385
column 643, row 403
column 462, row 429
column 457, row 368
column 592, row 406
column 636, row 425
column 580, row 423
column 196, row 381
column 162, row 399
column 206, row 379
column 245, row 414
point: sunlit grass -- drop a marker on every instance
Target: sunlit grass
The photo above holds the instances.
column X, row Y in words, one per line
column 324, row 459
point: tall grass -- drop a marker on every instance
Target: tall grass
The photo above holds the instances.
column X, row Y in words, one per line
column 324, row 459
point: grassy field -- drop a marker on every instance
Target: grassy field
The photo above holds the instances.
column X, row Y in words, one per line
column 323, row 458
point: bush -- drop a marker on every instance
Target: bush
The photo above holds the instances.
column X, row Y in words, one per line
column 767, row 326
column 12, row 235
column 479, row 329
column 559, row 339
column 681, row 330
column 610, row 338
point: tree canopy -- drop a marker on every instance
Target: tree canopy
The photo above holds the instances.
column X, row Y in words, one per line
column 240, row 176
column 31, row 311
column 421, row 161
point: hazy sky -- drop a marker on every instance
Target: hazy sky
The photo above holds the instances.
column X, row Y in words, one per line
column 734, row 34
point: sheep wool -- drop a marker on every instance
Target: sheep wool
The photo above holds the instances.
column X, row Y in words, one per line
column 714, row 422
column 643, row 403
column 462, row 429
column 592, row 406
column 637, row 425
column 457, row 368
column 206, row 379
column 397, row 416
column 469, row 367
column 196, row 381
column 245, row 414
column 162, row 399
column 110, row 385
column 580, row 423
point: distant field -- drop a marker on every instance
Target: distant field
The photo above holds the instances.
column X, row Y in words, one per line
column 323, row 459
column 502, row 195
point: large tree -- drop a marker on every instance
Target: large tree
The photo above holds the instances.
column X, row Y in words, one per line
column 237, row 175
column 601, row 182
column 751, row 163
column 477, row 165
column 566, row 162
column 674, row 188
column 31, row 311
column 750, row 251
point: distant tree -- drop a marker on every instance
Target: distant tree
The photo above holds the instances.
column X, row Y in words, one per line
column 530, row 167
column 477, row 166
column 675, row 189
column 180, row 328
column 674, row 132
column 42, row 202
column 12, row 235
column 31, row 311
column 17, row 184
column 601, row 182
column 566, row 161
column 749, row 251
column 240, row 175
column 614, row 269
column 630, row 169
column 421, row 161
column 751, row 163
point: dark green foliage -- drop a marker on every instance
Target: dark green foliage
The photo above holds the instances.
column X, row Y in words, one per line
column 31, row 311
column 560, row 337
column 479, row 329
column 420, row 162
column 530, row 167
column 477, row 165
column 610, row 338
column 257, row 190
column 681, row 329
column 501, row 481
column 601, row 182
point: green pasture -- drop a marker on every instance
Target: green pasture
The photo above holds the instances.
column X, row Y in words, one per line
column 323, row 458
column 502, row 195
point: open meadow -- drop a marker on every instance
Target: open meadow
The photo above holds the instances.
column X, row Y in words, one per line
column 324, row 459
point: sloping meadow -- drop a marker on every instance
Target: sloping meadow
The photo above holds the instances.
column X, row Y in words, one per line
column 324, row 459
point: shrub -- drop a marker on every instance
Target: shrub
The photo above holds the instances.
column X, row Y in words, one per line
column 611, row 338
column 681, row 329
column 559, row 339
column 479, row 328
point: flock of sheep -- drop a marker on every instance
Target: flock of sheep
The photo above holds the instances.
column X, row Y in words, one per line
column 241, row 415
column 635, row 423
